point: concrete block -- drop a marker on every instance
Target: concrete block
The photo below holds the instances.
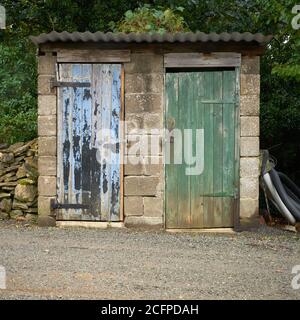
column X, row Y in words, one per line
column 133, row 206
column 144, row 222
column 44, row 205
column 144, row 63
column 47, row 126
column 249, row 187
column 249, row 146
column 250, row 65
column 249, row 105
column 249, row 167
column 47, row 186
column 249, row 126
column 47, row 64
column 143, row 121
column 141, row 186
column 46, row 221
column 144, row 83
column 47, row 146
column 47, row 166
column 144, row 102
column 46, row 105
column 250, row 84
column 249, row 208
column 153, row 207
column 44, row 85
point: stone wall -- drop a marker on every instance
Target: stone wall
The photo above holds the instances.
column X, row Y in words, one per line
column 249, row 140
column 144, row 183
column 18, row 181
column 47, row 137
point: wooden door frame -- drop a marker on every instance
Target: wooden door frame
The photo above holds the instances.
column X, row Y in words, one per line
column 201, row 61
column 122, row 129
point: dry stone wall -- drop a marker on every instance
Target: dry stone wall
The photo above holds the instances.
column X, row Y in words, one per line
column 18, row 181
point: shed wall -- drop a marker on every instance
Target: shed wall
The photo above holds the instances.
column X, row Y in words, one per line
column 144, row 109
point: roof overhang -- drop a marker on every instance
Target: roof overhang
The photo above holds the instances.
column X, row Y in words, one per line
column 188, row 37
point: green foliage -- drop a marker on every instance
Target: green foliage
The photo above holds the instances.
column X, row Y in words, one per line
column 280, row 103
column 149, row 19
column 17, row 92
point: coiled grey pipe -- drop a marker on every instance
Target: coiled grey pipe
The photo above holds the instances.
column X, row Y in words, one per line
column 283, row 209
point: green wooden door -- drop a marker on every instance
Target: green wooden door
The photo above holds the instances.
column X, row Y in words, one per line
column 202, row 100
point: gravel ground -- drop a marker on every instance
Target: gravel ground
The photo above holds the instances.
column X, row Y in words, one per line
column 81, row 263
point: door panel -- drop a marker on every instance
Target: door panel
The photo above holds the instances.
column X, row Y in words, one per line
column 202, row 100
column 88, row 165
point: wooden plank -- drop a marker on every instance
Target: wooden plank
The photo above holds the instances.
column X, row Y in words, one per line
column 228, row 210
column 96, row 118
column 229, row 88
column 217, row 149
column 67, row 140
column 183, row 182
column 197, row 59
column 197, row 113
column 115, row 136
column 64, row 72
column 93, row 56
column 208, row 175
column 106, row 108
column 86, row 123
column 171, row 169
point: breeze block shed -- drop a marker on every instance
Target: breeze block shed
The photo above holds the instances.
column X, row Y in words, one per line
column 90, row 82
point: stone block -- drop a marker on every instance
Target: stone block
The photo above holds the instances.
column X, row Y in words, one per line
column 249, row 208
column 144, row 222
column 141, row 186
column 144, row 83
column 44, row 205
column 47, row 126
column 249, row 105
column 249, row 126
column 46, row 221
column 47, row 185
column 133, row 206
column 144, row 63
column 249, row 187
column 249, row 146
column 250, row 84
column 153, row 207
column 47, row 166
column 144, row 120
column 46, row 105
column 47, row 146
column 250, row 65
column 144, row 102
column 44, row 85
column 47, row 64
column 249, row 167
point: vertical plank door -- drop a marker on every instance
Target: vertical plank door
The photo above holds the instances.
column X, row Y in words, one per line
column 88, row 148
column 202, row 100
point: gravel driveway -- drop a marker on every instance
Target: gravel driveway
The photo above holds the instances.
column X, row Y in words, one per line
column 126, row 264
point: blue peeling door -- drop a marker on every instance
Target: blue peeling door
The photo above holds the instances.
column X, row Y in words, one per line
column 88, row 150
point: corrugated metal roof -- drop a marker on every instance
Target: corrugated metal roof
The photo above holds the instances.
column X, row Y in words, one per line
column 146, row 37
